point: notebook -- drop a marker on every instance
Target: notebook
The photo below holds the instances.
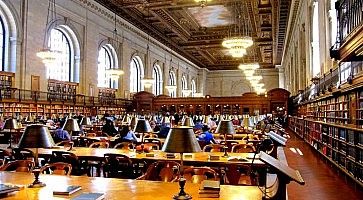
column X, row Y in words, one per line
column 4, row 189
column 68, row 190
column 89, row 196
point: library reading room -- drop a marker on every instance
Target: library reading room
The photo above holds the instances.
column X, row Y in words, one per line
column 181, row 99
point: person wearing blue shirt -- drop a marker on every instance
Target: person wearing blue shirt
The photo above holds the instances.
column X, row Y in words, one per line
column 61, row 135
column 206, row 136
column 127, row 135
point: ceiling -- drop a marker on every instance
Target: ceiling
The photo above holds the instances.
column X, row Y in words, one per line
column 197, row 32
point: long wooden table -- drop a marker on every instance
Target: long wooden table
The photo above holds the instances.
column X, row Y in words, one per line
column 200, row 158
column 115, row 189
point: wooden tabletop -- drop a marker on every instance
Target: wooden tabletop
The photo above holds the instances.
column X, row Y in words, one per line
column 116, row 189
column 200, row 157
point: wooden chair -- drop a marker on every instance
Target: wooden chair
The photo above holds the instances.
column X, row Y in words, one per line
column 153, row 140
column 166, row 171
column 91, row 135
column 78, row 167
column 18, row 166
column 213, row 148
column 123, row 145
column 150, row 135
column 59, row 168
column 238, row 175
column 23, row 154
column 102, row 144
column 198, row 174
column 6, row 156
column 118, row 166
column 243, row 148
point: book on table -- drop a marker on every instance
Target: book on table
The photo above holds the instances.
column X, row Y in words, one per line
column 89, row 196
column 68, row 190
column 209, row 189
column 4, row 188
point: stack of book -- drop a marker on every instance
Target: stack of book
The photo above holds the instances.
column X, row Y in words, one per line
column 209, row 189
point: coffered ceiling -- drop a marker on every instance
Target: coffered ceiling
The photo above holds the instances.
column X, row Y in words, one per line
column 197, row 31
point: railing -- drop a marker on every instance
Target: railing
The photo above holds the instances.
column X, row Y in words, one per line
column 350, row 16
column 19, row 95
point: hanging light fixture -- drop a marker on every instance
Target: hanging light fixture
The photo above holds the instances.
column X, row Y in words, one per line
column 202, row 3
column 114, row 72
column 47, row 54
column 237, row 40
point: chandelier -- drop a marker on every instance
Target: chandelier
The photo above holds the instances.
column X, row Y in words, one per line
column 249, row 66
column 114, row 72
column 48, row 55
column 237, row 40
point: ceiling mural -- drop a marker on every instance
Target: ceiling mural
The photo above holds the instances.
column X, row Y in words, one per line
column 197, row 32
column 211, row 16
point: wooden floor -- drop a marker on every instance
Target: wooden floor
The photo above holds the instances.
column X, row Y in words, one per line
column 323, row 182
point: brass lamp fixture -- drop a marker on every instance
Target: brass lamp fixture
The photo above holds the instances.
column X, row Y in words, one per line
column 225, row 127
column 181, row 140
column 86, row 121
column 36, row 136
column 142, row 126
column 71, row 126
column 11, row 124
column 188, row 122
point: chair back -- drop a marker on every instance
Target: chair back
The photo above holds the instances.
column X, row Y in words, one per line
column 152, row 146
column 5, row 156
column 166, row 171
column 198, row 174
column 117, row 166
column 213, row 148
column 59, row 168
column 243, row 148
column 150, row 135
column 91, row 135
column 78, row 167
column 18, row 166
column 123, row 145
column 102, row 144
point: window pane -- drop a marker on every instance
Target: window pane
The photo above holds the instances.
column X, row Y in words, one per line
column 104, row 62
column 2, row 44
column 135, row 75
column 61, row 68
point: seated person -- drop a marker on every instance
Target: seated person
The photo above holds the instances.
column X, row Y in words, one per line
column 164, row 130
column 154, row 126
column 235, row 121
column 206, row 136
column 61, row 135
column 198, row 125
column 109, row 129
column 127, row 135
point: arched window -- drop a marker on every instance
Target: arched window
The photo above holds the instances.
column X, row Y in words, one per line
column 158, row 80
column 315, row 40
column 8, row 39
column 2, row 43
column 172, row 81
column 107, row 59
column 183, row 85
column 193, row 88
column 66, row 66
column 136, row 74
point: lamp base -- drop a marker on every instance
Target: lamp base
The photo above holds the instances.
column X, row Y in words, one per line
column 186, row 196
column 225, row 155
column 36, row 183
column 182, row 194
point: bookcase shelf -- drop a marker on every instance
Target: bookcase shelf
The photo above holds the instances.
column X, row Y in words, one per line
column 341, row 144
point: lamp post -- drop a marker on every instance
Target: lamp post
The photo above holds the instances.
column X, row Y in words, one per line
column 36, row 136
column 181, row 140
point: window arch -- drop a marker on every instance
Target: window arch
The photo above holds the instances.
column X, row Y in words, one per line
column 8, row 39
column 107, row 59
column 183, row 85
column 315, row 51
column 66, row 66
column 136, row 74
column 158, row 80
column 193, row 88
column 172, row 81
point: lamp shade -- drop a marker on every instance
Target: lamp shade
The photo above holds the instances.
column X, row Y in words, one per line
column 11, row 124
column 36, row 136
column 245, row 122
column 142, row 126
column 71, row 125
column 225, row 127
column 188, row 122
column 181, row 140
column 165, row 120
column 86, row 121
